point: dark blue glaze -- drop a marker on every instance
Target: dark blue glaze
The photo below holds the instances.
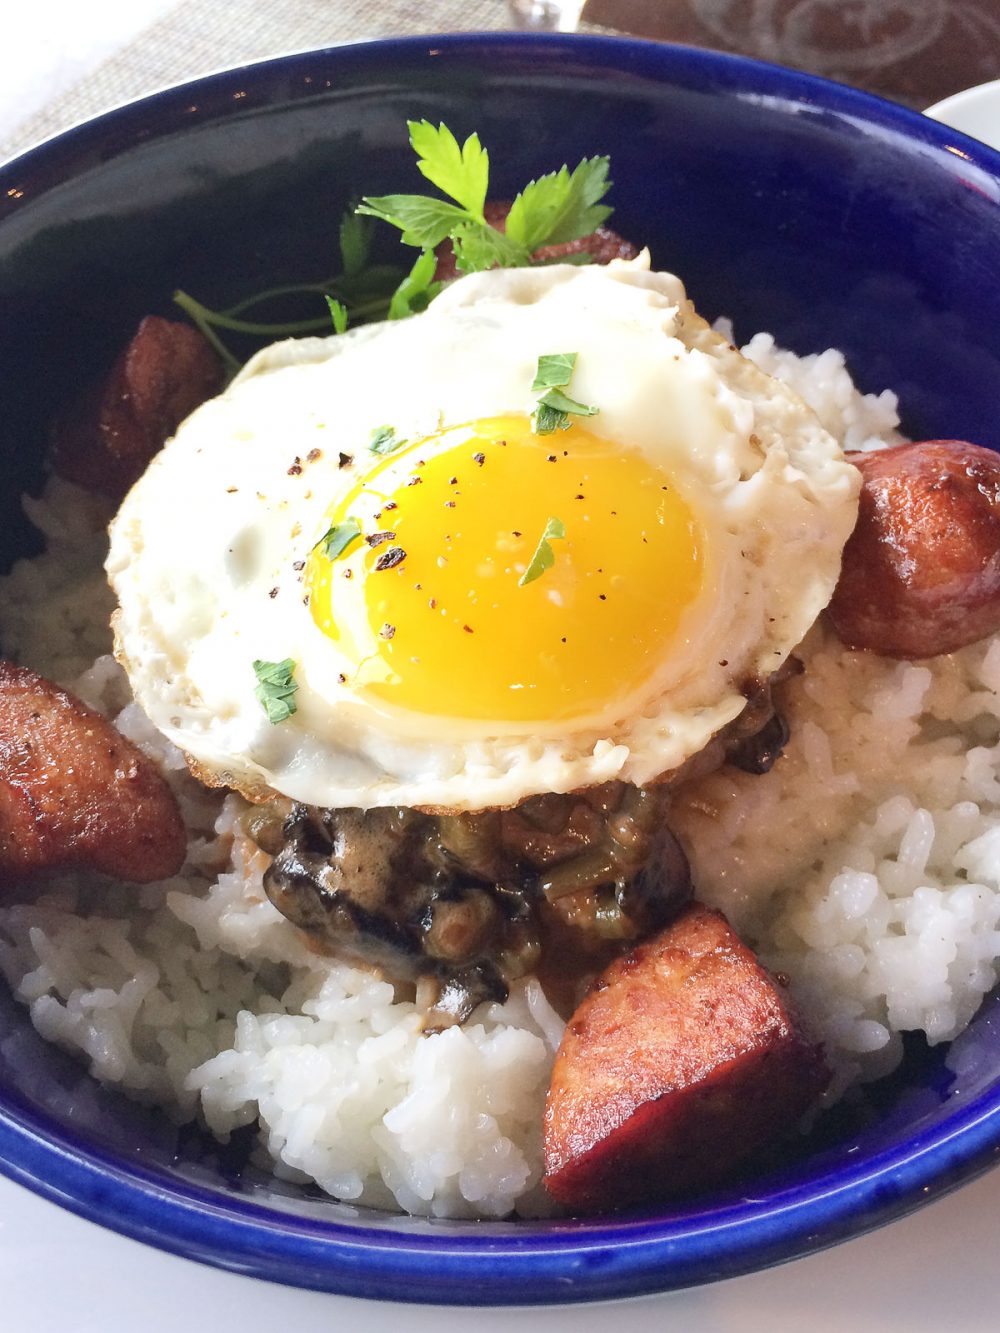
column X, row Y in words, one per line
column 795, row 205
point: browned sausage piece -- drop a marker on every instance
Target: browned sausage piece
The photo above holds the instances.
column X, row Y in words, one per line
column 74, row 792
column 105, row 440
column 603, row 245
column 921, row 571
column 681, row 1061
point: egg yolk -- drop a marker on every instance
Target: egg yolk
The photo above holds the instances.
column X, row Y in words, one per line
column 435, row 606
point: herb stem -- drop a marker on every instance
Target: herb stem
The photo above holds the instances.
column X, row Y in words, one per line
column 203, row 320
column 272, row 293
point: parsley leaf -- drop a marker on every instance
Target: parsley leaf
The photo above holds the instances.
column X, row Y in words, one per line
column 462, row 173
column 338, row 313
column 355, row 243
column 417, row 290
column 480, row 247
column 424, row 222
column 562, row 402
column 555, row 371
column 547, row 420
column 339, row 537
column 384, row 441
column 544, row 557
column 275, row 688
column 562, row 206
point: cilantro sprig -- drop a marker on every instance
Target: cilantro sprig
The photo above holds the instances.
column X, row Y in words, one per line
column 544, row 557
column 276, row 688
column 561, row 206
column 554, row 408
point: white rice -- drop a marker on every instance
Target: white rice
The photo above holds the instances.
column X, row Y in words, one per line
column 865, row 866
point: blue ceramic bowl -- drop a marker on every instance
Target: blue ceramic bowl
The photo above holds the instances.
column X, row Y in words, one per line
column 791, row 204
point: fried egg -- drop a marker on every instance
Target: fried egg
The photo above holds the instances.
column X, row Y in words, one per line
column 475, row 612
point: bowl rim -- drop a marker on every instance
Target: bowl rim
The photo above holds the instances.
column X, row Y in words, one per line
column 486, row 1263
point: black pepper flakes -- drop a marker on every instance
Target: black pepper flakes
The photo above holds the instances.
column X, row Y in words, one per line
column 296, row 469
column 273, row 593
column 377, row 538
column 345, row 460
column 551, row 458
column 432, row 603
column 449, row 504
column 314, row 455
column 348, row 573
column 414, row 481
column 468, row 629
column 602, row 596
column 298, row 564
column 387, row 631
column 390, row 504
column 341, row 678
column 390, row 558
column 452, row 481
column 479, row 458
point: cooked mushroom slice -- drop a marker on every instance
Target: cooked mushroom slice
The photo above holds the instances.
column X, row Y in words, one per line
column 473, row 900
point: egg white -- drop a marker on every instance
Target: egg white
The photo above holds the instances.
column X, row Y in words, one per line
column 207, row 549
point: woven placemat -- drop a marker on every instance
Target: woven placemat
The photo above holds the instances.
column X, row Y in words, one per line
column 199, row 36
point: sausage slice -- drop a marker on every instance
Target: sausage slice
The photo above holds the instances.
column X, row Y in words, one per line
column 603, row 245
column 683, row 1059
column 106, row 439
column 921, row 572
column 74, row 792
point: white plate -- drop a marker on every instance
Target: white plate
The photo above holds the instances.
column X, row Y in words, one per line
column 975, row 112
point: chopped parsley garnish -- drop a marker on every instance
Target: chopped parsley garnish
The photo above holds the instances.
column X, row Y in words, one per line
column 384, row 440
column 276, row 688
column 561, row 206
column 554, row 372
column 553, row 411
column 339, row 537
column 544, row 557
